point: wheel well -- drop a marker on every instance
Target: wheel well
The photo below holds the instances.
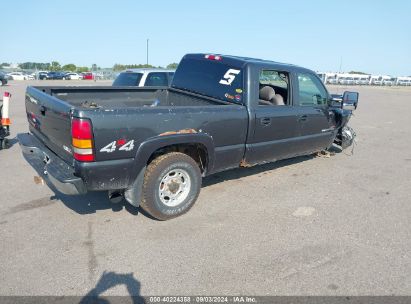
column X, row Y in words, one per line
column 196, row 151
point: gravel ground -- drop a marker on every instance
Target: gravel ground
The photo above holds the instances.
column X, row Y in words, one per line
column 306, row 226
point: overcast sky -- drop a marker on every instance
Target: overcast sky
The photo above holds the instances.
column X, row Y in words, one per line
column 369, row 36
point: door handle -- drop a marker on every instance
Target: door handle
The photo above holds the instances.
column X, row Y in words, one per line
column 42, row 110
column 302, row 118
column 265, row 121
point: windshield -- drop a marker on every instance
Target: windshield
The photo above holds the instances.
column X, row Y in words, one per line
column 212, row 78
column 128, row 79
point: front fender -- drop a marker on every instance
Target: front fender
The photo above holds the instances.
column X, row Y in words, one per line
column 341, row 117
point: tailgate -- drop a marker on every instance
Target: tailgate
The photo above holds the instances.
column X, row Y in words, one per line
column 50, row 121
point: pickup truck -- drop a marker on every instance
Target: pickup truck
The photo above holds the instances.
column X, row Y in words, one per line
column 153, row 145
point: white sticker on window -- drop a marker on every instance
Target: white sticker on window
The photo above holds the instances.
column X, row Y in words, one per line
column 229, row 76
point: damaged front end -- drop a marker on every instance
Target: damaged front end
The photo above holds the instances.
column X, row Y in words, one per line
column 344, row 105
column 345, row 137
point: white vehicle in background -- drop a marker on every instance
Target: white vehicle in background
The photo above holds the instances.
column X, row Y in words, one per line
column 73, row 76
column 403, row 81
column 356, row 80
column 376, row 80
column 342, row 80
column 17, row 76
column 388, row 81
column 144, row 77
column 364, row 80
column 30, row 76
column 350, row 80
column 346, row 80
column 332, row 80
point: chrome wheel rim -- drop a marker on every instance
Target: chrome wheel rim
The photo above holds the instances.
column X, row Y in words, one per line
column 174, row 187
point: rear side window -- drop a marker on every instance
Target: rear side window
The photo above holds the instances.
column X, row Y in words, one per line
column 210, row 78
column 156, row 79
column 128, row 79
column 311, row 92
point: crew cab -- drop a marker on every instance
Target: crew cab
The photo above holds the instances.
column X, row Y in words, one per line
column 153, row 145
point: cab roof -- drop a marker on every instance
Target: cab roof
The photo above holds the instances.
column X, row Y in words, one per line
column 240, row 61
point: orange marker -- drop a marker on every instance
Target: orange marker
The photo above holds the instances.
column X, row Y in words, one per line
column 5, row 120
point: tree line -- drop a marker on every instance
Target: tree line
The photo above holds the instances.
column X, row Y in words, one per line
column 56, row 66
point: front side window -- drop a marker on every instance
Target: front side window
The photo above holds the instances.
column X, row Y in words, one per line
column 310, row 91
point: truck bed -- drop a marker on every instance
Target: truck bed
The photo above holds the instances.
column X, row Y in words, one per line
column 132, row 113
column 126, row 97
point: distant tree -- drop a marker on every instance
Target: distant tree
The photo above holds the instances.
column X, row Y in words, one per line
column 69, row 67
column 34, row 66
column 55, row 66
column 27, row 65
column 120, row 67
column 82, row 69
column 172, row 65
column 4, row 64
column 94, row 67
column 355, row 72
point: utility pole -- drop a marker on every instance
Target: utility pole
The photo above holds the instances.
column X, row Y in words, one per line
column 147, row 51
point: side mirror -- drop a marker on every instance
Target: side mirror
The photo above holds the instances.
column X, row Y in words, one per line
column 349, row 101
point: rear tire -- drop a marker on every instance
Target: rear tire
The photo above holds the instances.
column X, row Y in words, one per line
column 172, row 183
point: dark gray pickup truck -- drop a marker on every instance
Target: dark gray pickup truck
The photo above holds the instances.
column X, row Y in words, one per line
column 153, row 145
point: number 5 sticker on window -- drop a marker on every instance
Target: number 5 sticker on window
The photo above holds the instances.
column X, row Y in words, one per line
column 229, row 76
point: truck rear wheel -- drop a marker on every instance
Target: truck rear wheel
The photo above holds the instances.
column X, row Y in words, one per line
column 172, row 183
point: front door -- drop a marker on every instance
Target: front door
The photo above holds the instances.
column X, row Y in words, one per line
column 316, row 129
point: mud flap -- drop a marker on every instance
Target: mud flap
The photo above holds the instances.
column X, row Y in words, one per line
column 133, row 193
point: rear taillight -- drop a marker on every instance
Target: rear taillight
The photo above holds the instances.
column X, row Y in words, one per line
column 82, row 139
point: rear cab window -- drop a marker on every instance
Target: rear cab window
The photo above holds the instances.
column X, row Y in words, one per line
column 128, row 79
column 156, row 79
column 213, row 77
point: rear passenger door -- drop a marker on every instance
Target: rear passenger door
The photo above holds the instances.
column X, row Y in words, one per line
column 315, row 126
column 276, row 127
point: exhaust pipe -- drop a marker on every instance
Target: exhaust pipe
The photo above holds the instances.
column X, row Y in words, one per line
column 115, row 196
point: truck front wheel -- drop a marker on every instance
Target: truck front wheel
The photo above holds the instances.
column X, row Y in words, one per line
column 172, row 183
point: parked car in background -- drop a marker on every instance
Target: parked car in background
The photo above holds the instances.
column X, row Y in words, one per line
column 73, row 76
column 403, row 81
column 144, row 77
column 364, row 80
column 55, row 75
column 332, row 80
column 3, row 79
column 42, row 75
column 30, row 76
column 88, row 76
column 342, row 80
column 17, row 76
column 388, row 81
column 350, row 80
